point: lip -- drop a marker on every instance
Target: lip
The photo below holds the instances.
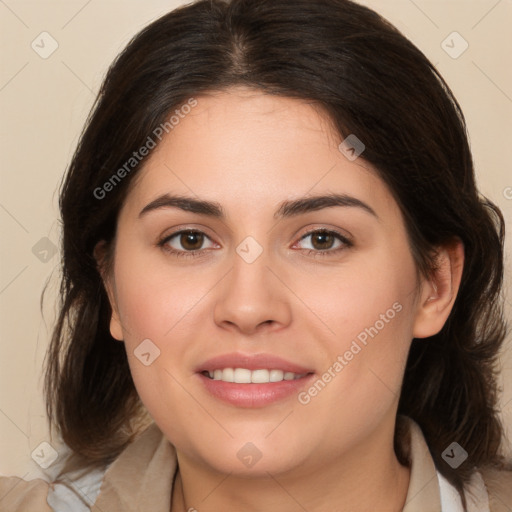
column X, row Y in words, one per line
column 253, row 395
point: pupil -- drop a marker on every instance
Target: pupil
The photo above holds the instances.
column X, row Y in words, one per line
column 190, row 239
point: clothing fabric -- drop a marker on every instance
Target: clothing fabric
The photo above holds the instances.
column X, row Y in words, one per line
column 141, row 479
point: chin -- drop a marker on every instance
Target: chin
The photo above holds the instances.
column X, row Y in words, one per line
column 262, row 468
column 250, row 459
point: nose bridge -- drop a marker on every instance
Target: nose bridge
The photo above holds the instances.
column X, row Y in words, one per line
column 251, row 295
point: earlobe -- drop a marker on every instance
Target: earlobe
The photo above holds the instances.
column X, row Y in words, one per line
column 115, row 327
column 115, row 324
column 439, row 292
column 100, row 251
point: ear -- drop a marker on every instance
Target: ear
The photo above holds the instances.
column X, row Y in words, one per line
column 100, row 255
column 438, row 293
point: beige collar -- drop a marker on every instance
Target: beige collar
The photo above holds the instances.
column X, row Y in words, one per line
column 142, row 477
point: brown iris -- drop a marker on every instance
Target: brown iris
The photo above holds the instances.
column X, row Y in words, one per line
column 191, row 240
column 325, row 239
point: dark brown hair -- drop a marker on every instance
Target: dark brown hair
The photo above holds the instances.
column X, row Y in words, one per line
column 372, row 82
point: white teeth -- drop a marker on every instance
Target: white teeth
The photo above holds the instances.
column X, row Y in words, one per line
column 242, row 376
column 228, row 374
column 276, row 375
column 245, row 376
column 260, row 376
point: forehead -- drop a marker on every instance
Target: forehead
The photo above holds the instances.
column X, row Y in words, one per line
column 245, row 147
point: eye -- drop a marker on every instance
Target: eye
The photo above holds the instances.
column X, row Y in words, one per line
column 191, row 242
column 323, row 242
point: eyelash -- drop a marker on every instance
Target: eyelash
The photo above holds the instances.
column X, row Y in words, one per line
column 310, row 252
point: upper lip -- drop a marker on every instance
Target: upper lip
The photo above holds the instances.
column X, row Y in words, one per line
column 251, row 362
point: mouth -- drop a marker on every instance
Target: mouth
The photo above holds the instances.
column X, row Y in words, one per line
column 246, row 376
column 250, row 381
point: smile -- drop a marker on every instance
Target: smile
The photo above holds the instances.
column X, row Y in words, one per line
column 246, row 376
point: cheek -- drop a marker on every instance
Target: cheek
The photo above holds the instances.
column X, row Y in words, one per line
column 363, row 294
column 369, row 313
column 160, row 310
column 155, row 299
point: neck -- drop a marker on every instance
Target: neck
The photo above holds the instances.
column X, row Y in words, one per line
column 366, row 478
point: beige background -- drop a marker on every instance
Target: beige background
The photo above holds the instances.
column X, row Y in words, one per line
column 44, row 103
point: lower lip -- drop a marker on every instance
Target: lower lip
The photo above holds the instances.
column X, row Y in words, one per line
column 254, row 395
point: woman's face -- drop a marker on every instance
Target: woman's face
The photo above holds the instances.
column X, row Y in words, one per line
column 324, row 290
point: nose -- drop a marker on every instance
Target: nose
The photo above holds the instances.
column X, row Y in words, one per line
column 252, row 298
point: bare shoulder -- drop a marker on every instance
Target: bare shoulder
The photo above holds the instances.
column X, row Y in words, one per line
column 499, row 487
column 18, row 495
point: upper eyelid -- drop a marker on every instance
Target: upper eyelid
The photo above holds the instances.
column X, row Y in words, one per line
column 346, row 240
column 327, row 230
column 165, row 239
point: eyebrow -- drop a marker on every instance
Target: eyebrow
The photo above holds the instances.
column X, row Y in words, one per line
column 287, row 209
